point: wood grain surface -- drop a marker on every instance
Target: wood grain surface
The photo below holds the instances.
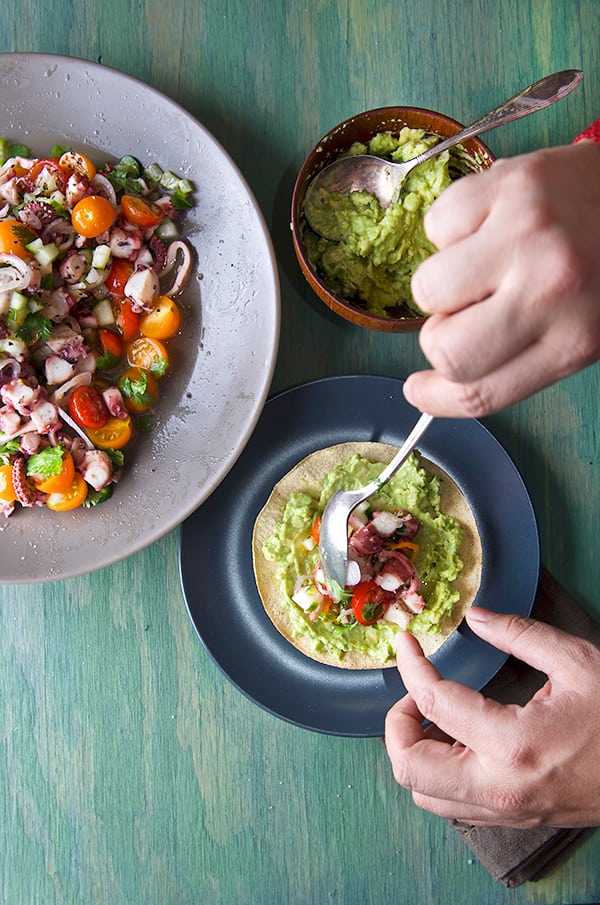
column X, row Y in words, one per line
column 131, row 771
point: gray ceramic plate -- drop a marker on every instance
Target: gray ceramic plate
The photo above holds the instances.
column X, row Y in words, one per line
column 224, row 358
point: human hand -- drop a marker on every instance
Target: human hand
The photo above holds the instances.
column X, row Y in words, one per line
column 513, row 290
column 486, row 763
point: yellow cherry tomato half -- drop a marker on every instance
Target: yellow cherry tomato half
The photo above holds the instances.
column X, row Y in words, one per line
column 115, row 434
column 14, row 236
column 149, row 354
column 141, row 212
column 163, row 321
column 59, row 483
column 7, row 490
column 76, row 162
column 70, row 498
column 92, row 215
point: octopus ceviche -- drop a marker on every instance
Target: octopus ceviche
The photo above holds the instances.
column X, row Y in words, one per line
column 91, row 261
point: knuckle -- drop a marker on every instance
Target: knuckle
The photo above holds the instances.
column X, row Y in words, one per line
column 514, row 802
column 404, row 774
column 521, row 755
column 587, row 657
column 477, row 399
column 426, row 701
column 403, row 769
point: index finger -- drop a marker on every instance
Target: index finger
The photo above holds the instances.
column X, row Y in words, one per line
column 461, row 209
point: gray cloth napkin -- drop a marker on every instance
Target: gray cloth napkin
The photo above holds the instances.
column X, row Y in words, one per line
column 514, row 856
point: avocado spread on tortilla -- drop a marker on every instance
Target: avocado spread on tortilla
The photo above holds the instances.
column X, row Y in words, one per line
column 445, row 554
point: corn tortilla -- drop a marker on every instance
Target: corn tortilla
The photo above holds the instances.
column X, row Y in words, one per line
column 307, row 476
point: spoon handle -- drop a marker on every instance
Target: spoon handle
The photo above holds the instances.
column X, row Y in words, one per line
column 400, row 457
column 542, row 93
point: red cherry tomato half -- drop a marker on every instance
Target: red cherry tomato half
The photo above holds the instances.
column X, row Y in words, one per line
column 128, row 320
column 111, row 342
column 140, row 212
column 88, row 408
column 365, row 606
column 118, row 275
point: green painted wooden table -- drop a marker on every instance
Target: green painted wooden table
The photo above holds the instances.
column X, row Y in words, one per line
column 131, row 771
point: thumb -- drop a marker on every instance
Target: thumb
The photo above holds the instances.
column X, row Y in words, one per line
column 547, row 649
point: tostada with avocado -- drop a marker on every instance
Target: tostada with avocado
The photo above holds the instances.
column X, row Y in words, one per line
column 414, row 557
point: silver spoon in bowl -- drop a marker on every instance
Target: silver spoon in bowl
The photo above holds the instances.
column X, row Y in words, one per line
column 333, row 538
column 383, row 179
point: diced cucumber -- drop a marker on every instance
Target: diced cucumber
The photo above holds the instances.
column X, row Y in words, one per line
column 35, row 246
column 18, row 301
column 34, row 304
column 167, row 229
column 47, row 254
column 169, row 180
column 103, row 313
column 101, row 257
column 153, row 172
column 16, row 318
column 44, row 254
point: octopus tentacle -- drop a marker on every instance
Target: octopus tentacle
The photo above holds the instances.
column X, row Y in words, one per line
column 26, row 494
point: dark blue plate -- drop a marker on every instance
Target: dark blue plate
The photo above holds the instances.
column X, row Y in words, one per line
column 216, row 552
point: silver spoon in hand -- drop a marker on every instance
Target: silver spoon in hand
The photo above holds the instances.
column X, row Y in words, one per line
column 383, row 179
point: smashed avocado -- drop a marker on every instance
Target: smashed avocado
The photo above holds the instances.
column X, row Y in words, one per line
column 379, row 250
column 438, row 562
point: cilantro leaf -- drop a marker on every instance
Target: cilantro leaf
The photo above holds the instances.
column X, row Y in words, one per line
column 107, row 361
column 181, row 200
column 7, row 449
column 159, row 367
column 116, row 456
column 35, row 327
column 146, row 423
column 8, row 149
column 46, row 463
column 136, row 390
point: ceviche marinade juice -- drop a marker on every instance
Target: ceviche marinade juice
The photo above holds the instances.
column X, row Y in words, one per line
column 91, row 262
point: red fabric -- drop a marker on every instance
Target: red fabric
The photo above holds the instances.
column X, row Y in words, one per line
column 592, row 132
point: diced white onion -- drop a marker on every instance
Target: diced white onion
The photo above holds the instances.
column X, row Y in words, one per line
column 353, row 574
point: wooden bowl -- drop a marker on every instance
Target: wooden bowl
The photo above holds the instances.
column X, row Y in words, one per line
column 361, row 128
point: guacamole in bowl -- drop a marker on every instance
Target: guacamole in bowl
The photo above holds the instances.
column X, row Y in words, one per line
column 364, row 275
column 378, row 249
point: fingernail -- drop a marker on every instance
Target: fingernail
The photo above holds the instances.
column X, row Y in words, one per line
column 478, row 614
column 408, row 393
